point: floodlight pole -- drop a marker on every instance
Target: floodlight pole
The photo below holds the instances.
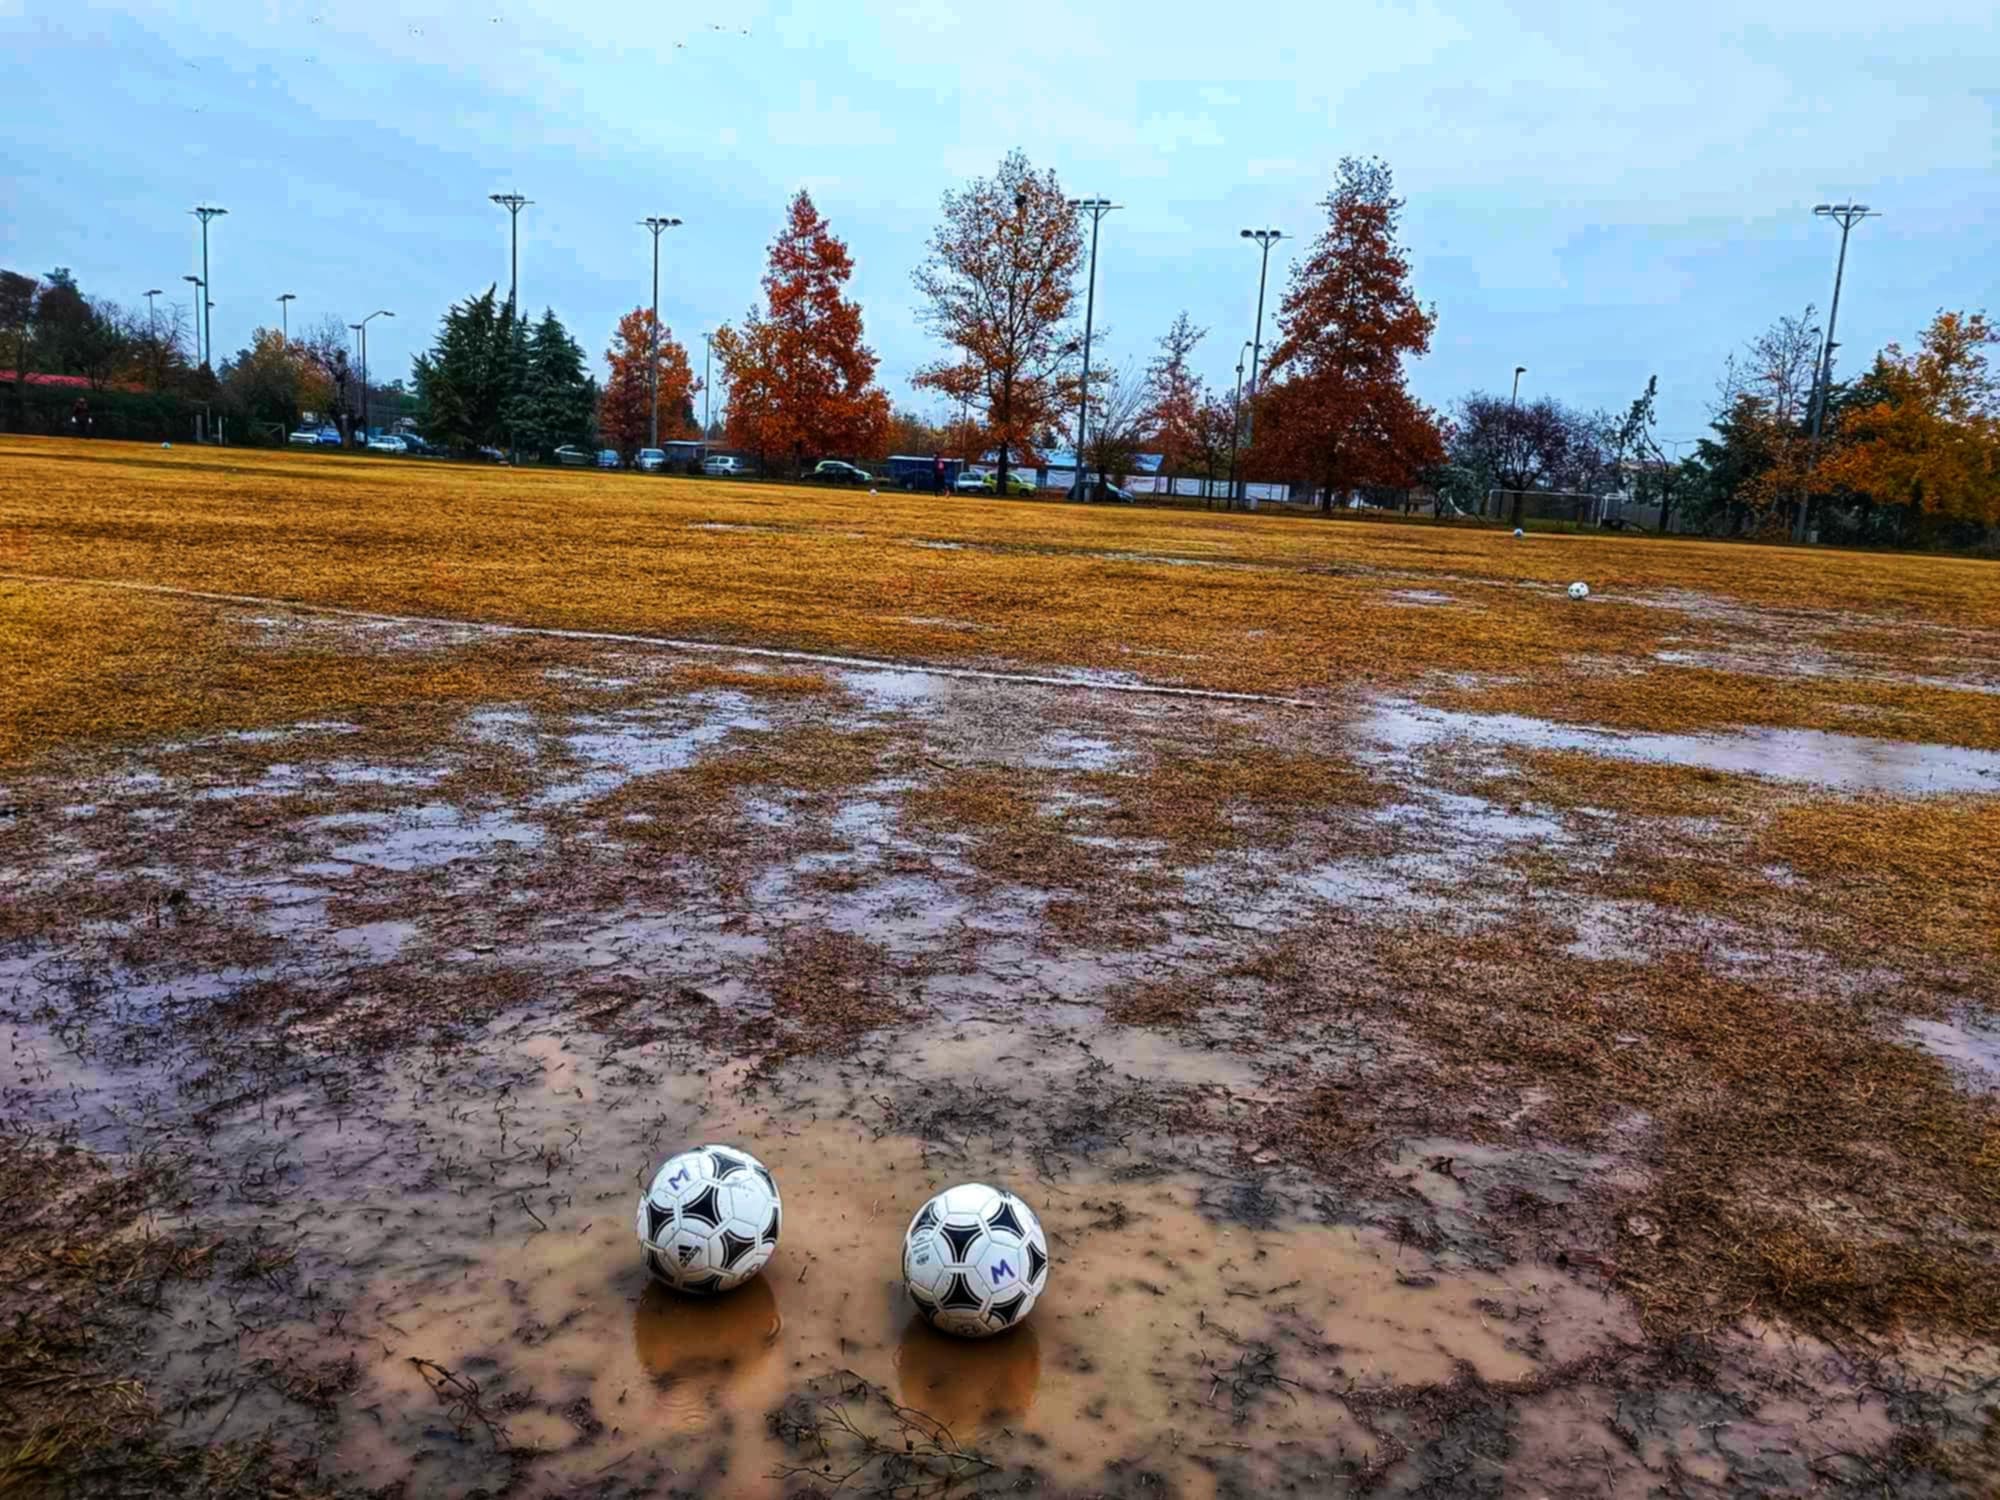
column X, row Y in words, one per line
column 201, row 292
column 656, row 225
column 707, row 384
column 153, row 336
column 1513, row 434
column 204, row 213
column 285, row 299
column 1097, row 208
column 362, row 329
column 1236, row 422
column 513, row 203
column 1846, row 215
column 1265, row 239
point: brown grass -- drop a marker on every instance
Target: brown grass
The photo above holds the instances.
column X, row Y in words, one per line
column 1763, row 1103
column 827, row 990
column 1915, row 874
column 85, row 668
column 1307, row 606
column 703, row 677
column 1578, row 779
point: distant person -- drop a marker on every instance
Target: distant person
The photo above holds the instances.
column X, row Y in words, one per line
column 937, row 473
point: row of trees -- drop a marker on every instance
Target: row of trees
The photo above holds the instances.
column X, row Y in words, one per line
column 50, row 326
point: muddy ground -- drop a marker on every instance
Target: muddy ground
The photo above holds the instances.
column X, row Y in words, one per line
column 1344, row 1051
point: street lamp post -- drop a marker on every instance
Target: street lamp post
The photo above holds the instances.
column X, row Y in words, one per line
column 707, row 384
column 1514, row 437
column 152, row 336
column 205, row 213
column 513, row 203
column 1097, row 208
column 201, row 295
column 1846, row 215
column 1007, row 380
column 362, row 329
column 1236, row 420
column 657, row 226
column 285, row 299
column 1265, row 239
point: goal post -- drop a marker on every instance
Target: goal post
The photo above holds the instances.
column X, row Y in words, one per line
column 1577, row 507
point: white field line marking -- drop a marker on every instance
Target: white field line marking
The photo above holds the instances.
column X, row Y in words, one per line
column 672, row 643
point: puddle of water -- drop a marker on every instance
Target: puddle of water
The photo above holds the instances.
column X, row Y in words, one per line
column 615, row 750
column 1066, row 750
column 432, row 835
column 1972, row 1049
column 380, row 941
column 1844, row 761
column 1421, row 597
column 1476, row 820
column 1157, row 1338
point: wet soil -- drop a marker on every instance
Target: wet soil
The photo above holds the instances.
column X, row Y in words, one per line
column 413, row 1023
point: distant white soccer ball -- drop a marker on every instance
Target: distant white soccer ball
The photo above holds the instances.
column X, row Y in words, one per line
column 1519, row 532
column 975, row 1260
column 710, row 1220
column 1579, row 591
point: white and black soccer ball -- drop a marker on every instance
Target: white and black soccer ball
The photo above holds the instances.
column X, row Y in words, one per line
column 710, row 1220
column 975, row 1260
column 1579, row 591
column 1519, row 533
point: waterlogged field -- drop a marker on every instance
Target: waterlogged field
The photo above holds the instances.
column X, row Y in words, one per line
column 1459, row 1040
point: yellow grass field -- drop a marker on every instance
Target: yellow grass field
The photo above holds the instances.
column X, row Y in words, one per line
column 1259, row 603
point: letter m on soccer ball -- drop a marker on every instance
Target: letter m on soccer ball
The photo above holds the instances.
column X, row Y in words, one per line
column 1003, row 1270
column 678, row 1178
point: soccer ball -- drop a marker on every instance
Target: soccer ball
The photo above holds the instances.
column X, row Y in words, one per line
column 1579, row 591
column 975, row 1260
column 1518, row 532
column 710, row 1220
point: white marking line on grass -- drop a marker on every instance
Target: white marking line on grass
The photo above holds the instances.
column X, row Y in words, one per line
column 671, row 643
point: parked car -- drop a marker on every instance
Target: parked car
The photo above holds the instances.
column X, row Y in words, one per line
column 973, row 483
column 491, row 455
column 650, row 460
column 1100, row 489
column 833, row 471
column 607, row 458
column 722, row 466
column 416, row 447
column 1017, row 483
column 315, row 437
column 572, row 456
column 388, row 443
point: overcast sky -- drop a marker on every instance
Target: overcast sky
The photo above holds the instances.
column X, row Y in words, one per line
column 1598, row 193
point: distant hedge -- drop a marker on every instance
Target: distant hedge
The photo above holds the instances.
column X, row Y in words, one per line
column 141, row 415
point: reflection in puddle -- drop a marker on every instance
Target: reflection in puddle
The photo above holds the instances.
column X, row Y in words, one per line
column 1846, row 761
column 436, row 834
column 972, row 1387
column 707, row 1355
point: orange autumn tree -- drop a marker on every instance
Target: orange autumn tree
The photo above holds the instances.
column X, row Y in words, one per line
column 800, row 379
column 1334, row 408
column 1000, row 283
column 1930, row 438
column 624, row 418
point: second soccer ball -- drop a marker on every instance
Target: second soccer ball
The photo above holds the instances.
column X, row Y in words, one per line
column 975, row 1259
